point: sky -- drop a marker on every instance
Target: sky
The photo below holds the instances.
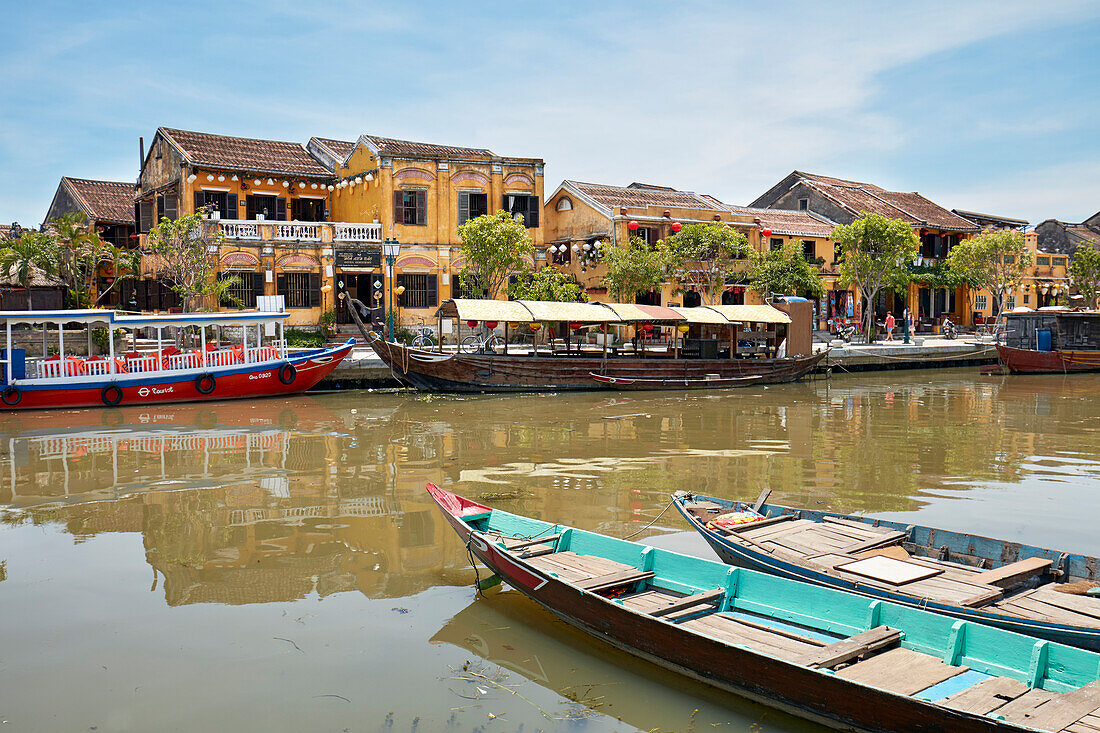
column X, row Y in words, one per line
column 984, row 106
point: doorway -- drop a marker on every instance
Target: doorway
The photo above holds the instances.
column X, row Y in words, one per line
column 361, row 287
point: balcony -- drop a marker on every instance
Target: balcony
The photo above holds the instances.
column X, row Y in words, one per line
column 259, row 230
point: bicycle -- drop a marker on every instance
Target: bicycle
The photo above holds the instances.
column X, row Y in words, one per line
column 424, row 339
column 486, row 343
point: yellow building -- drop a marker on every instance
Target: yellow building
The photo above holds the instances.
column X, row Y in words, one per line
column 583, row 218
column 419, row 194
column 1047, row 279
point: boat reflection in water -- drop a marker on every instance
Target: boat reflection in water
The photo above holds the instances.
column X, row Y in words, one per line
column 236, row 503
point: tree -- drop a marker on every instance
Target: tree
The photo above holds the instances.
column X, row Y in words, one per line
column 1084, row 272
column 995, row 261
column 875, row 254
column 633, row 269
column 704, row 255
column 183, row 249
column 546, row 283
column 78, row 250
column 124, row 264
column 495, row 246
column 784, row 271
column 33, row 253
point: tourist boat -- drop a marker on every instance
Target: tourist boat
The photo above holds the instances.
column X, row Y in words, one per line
column 1030, row 590
column 749, row 351
column 1051, row 341
column 827, row 655
column 259, row 365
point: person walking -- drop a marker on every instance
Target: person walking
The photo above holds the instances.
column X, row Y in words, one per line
column 889, row 326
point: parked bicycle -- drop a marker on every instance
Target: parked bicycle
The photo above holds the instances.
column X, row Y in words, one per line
column 484, row 343
column 424, row 339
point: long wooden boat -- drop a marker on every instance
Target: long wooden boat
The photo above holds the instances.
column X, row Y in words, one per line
column 827, row 655
column 259, row 365
column 1026, row 589
column 1051, row 342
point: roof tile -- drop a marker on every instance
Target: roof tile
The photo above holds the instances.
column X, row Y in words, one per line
column 246, row 154
column 616, row 196
column 105, row 201
column 911, row 207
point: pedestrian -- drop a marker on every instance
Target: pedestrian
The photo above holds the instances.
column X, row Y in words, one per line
column 889, row 326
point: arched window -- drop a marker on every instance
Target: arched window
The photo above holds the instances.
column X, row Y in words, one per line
column 565, row 204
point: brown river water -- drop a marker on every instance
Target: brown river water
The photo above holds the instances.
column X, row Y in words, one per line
column 277, row 565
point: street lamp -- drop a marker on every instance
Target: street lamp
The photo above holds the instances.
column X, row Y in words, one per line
column 390, row 249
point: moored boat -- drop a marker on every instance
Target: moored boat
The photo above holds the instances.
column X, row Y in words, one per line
column 258, row 365
column 826, row 655
column 1026, row 589
column 1051, row 341
column 751, row 349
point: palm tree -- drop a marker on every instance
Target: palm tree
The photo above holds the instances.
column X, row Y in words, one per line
column 31, row 254
column 125, row 263
column 79, row 247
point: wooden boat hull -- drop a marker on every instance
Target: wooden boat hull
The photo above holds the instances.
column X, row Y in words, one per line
column 1029, row 361
column 1078, row 565
column 245, row 381
column 806, row 692
column 435, row 372
column 643, row 384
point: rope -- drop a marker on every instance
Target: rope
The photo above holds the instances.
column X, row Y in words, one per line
column 477, row 575
column 643, row 529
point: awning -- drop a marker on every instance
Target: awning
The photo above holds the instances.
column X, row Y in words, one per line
column 547, row 310
column 649, row 313
column 478, row 309
column 750, row 313
column 701, row 315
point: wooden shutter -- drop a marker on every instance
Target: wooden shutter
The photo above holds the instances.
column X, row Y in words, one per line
column 160, row 207
column 398, row 207
column 421, row 207
column 145, row 216
column 433, row 291
column 941, row 246
column 280, row 208
column 200, row 200
column 314, row 290
column 464, row 207
column 280, row 287
column 231, row 207
column 532, row 218
column 257, row 286
column 172, row 206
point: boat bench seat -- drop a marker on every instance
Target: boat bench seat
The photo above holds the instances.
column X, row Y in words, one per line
column 848, row 649
column 1015, row 573
column 614, row 580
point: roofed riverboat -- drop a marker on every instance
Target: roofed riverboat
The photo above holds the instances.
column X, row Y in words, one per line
column 258, row 364
column 1030, row 590
column 1051, row 341
column 827, row 655
column 733, row 346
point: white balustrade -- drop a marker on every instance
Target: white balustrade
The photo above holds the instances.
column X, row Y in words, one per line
column 349, row 232
column 142, row 364
column 239, row 228
column 298, row 230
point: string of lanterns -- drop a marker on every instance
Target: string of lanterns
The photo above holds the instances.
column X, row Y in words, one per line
column 258, row 180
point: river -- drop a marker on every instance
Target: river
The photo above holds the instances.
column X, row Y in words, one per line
column 277, row 565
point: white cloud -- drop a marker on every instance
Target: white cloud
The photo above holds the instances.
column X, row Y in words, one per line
column 1067, row 191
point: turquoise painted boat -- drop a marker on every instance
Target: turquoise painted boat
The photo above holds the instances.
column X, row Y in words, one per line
column 1031, row 590
column 835, row 657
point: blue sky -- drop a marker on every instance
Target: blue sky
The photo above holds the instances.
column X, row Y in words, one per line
column 989, row 106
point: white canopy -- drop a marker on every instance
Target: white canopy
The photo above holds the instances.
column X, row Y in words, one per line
column 750, row 313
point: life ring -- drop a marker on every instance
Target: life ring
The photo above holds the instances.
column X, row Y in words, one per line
column 204, row 379
column 12, row 396
column 111, row 395
column 287, row 373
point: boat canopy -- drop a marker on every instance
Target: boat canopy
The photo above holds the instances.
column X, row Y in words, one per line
column 518, row 311
column 701, row 315
column 548, row 310
column 649, row 313
column 143, row 320
column 475, row 309
column 750, row 313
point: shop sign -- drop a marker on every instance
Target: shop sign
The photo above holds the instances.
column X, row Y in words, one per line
column 359, row 257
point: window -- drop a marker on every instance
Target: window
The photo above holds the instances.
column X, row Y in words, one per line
column 1010, row 302
column 420, row 291
column 1058, row 261
column 803, row 204
column 981, row 302
column 410, row 208
column 300, row 289
column 269, row 207
column 307, row 209
column 1042, row 262
column 243, row 292
column 776, row 243
column 225, row 204
column 525, row 206
column 1009, row 259
column 647, row 235
column 471, row 206
column 1027, row 298
column 167, row 206
column 808, row 250
column 565, row 204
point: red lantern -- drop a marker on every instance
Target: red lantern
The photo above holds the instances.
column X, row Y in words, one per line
column 766, row 232
column 632, row 226
column 603, row 327
column 471, row 324
column 647, row 327
column 576, row 326
column 490, row 324
column 676, row 226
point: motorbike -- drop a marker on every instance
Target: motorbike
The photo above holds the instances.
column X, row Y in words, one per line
column 949, row 330
column 844, row 330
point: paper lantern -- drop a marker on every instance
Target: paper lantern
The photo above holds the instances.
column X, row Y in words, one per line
column 632, row 226
column 490, row 324
column 603, row 327
column 221, row 178
column 647, row 327
column 256, row 181
column 676, row 226
column 301, row 184
column 683, row 328
column 269, row 182
column 313, row 186
column 471, row 324
column 210, row 176
column 286, row 184
column 576, row 326
column 535, row 326
column 766, row 232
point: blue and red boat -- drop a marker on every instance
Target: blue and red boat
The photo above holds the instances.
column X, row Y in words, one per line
column 170, row 358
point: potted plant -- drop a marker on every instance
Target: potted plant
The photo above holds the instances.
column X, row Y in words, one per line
column 328, row 323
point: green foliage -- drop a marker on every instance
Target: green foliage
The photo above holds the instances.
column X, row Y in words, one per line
column 546, row 283
column 1084, row 272
column 704, row 255
column 875, row 253
column 403, row 335
column 181, row 250
column 22, row 258
column 784, row 271
column 99, row 340
column 302, row 339
column 939, row 275
column 995, row 261
column 633, row 269
column 494, row 247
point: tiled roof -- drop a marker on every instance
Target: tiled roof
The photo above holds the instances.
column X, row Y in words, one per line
column 245, row 154
column 1082, row 232
column 391, row 146
column 616, row 196
column 38, row 278
column 795, row 223
column 911, row 207
column 975, row 217
column 5, row 231
column 340, row 148
column 104, row 201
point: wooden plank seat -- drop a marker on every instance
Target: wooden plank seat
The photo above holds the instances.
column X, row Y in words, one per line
column 533, row 547
column 1015, row 573
column 805, row 538
column 757, row 637
column 901, row 670
column 986, row 696
column 1088, row 724
column 950, row 586
column 848, row 649
column 689, row 603
column 1054, row 712
column 1047, row 604
column 673, row 606
column 571, row 567
column 614, row 580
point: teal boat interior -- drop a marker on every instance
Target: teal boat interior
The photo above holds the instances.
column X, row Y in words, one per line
column 956, row 663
